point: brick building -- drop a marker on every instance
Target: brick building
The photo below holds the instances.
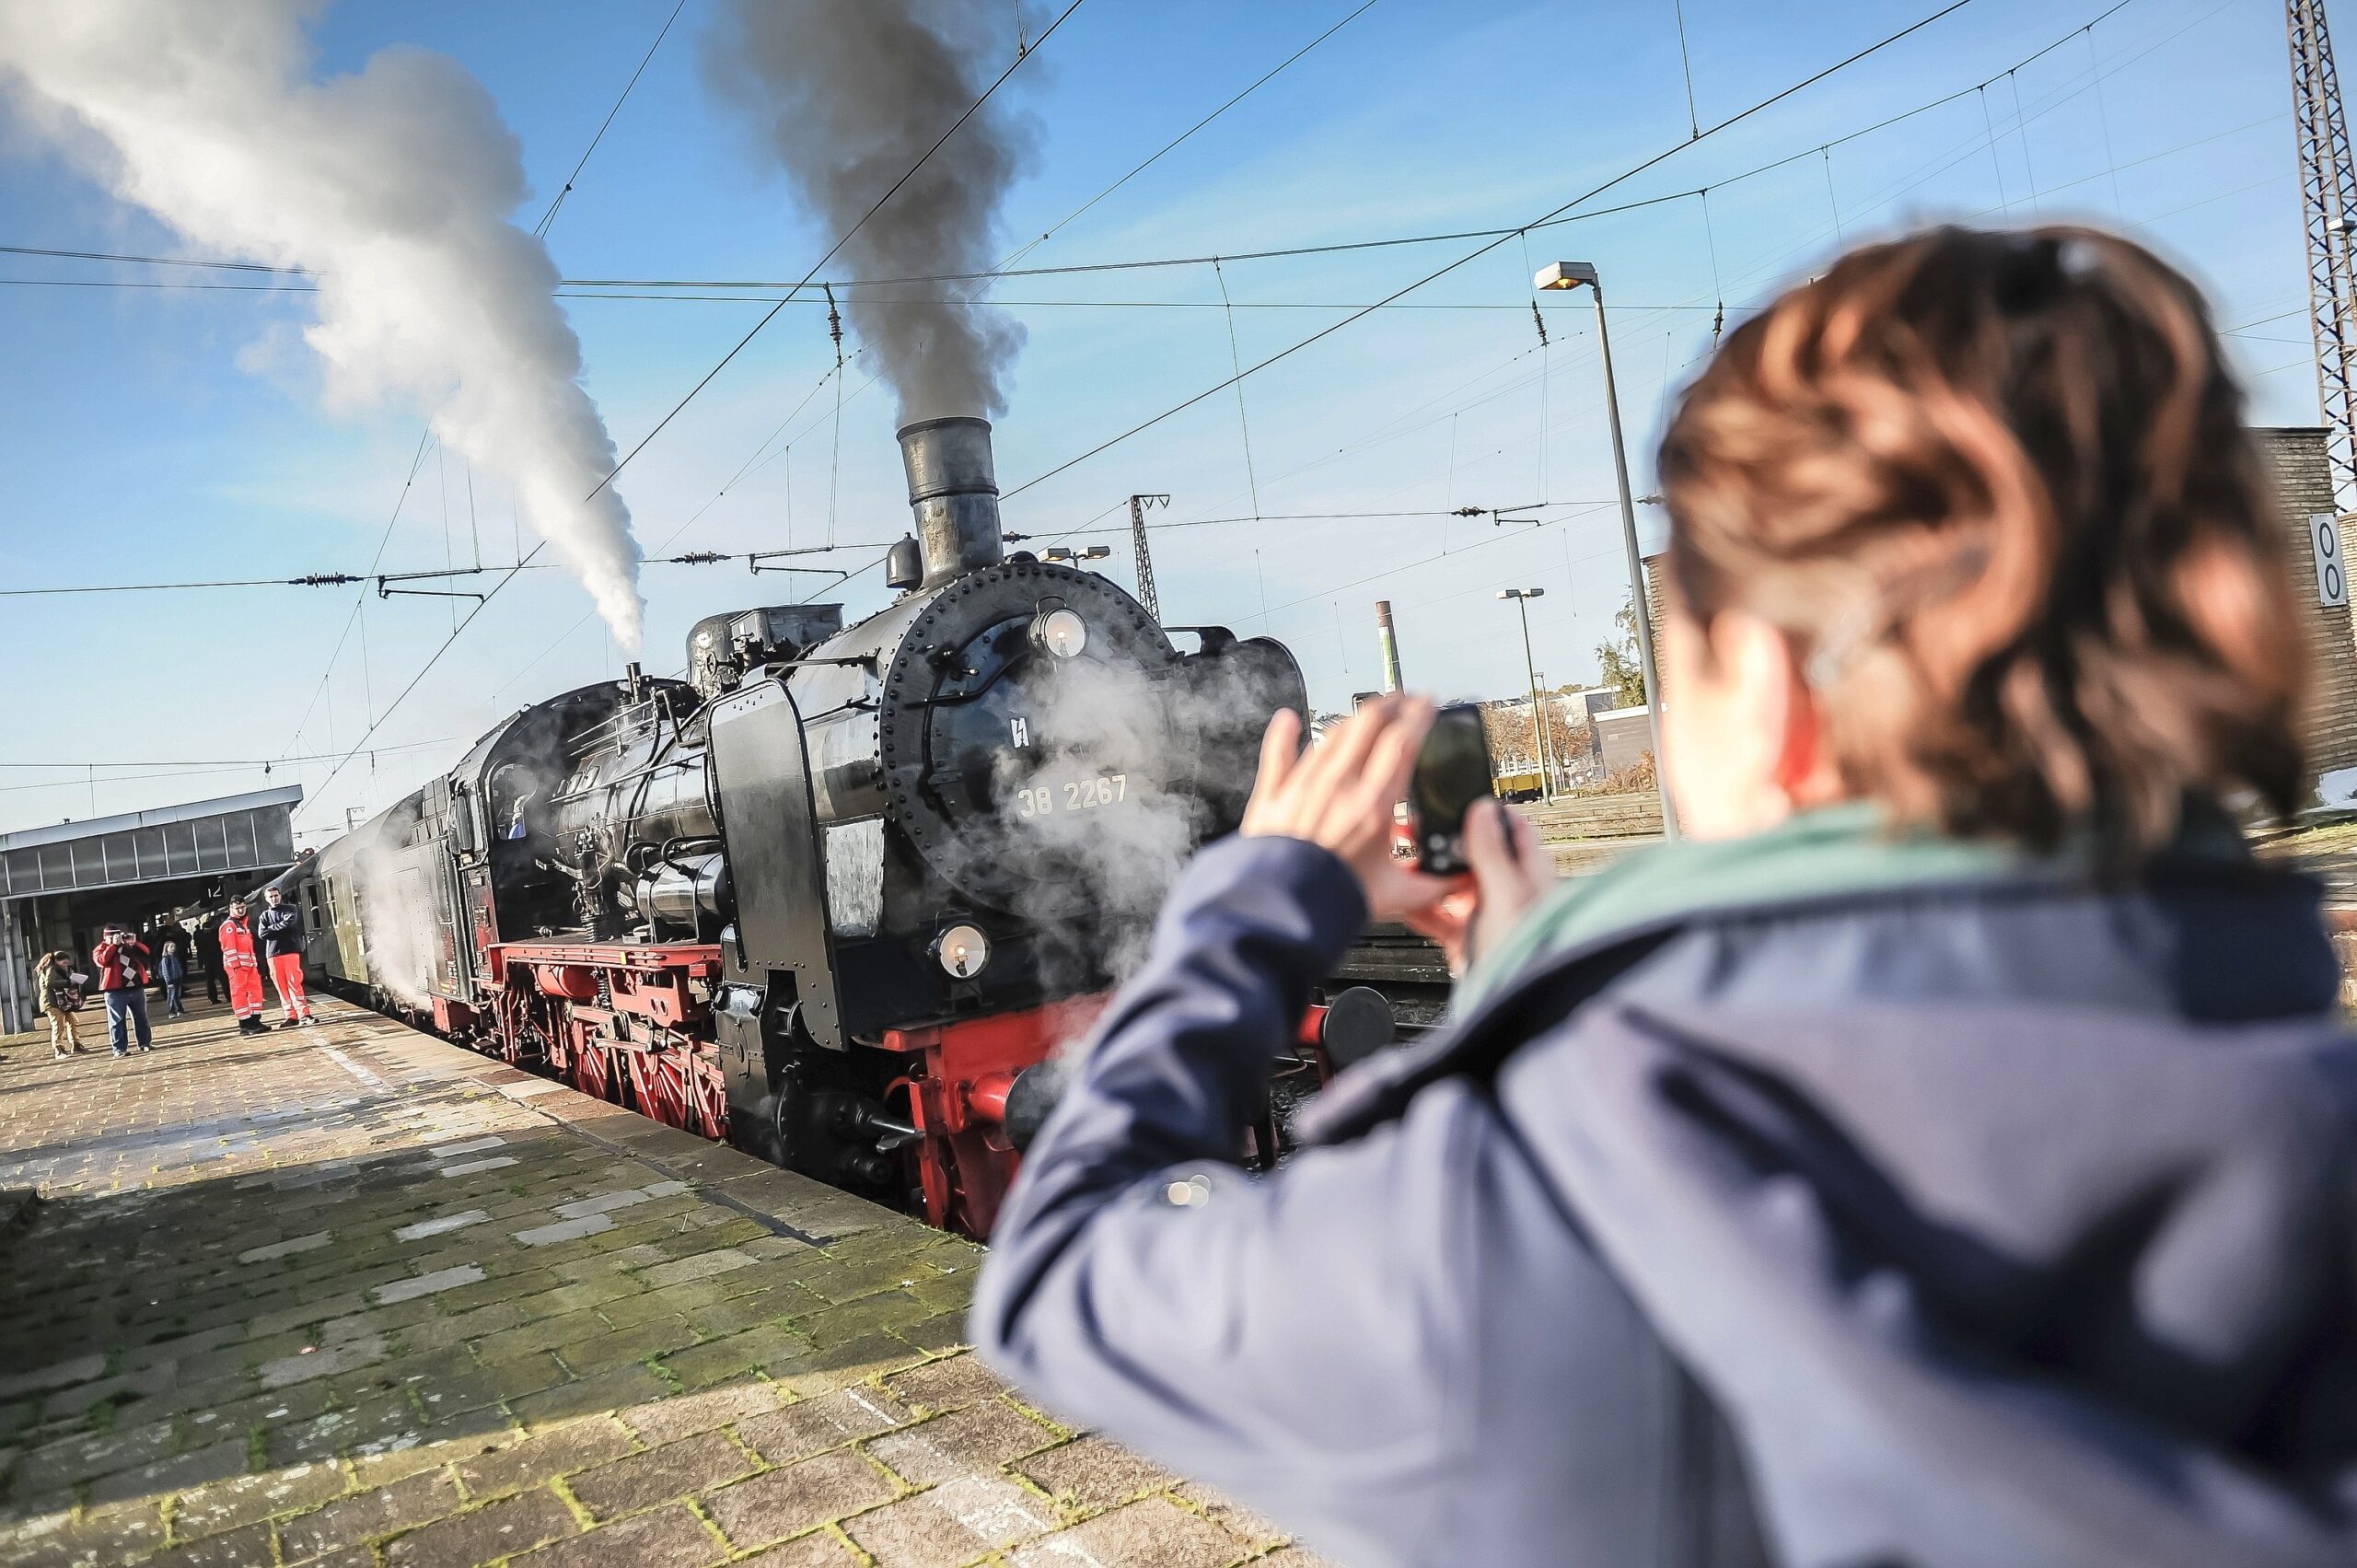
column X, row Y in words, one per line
column 2303, row 481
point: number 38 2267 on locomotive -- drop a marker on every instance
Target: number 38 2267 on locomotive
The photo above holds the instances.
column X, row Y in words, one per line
column 838, row 895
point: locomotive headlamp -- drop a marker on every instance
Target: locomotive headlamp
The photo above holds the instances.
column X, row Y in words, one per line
column 1061, row 633
column 962, row 951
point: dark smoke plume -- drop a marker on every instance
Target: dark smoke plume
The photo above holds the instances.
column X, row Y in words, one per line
column 848, row 95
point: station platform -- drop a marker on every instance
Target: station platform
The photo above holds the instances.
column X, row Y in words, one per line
column 349, row 1296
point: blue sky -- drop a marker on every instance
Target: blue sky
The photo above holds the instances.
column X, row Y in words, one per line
column 173, row 434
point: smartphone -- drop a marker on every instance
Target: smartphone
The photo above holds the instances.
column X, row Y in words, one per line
column 1452, row 772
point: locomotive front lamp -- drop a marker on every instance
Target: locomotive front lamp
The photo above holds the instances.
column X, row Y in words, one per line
column 962, row 951
column 1059, row 632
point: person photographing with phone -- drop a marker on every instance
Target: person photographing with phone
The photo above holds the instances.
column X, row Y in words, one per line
column 1941, row 1155
column 123, row 961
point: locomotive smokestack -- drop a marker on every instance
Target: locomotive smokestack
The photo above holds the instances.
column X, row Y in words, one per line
column 953, row 488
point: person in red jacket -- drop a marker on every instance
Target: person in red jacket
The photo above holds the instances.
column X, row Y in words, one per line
column 243, row 972
column 122, row 978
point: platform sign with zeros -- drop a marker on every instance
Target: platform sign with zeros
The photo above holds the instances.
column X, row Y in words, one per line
column 2332, row 570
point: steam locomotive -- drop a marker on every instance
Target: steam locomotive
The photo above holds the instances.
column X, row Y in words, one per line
column 838, row 895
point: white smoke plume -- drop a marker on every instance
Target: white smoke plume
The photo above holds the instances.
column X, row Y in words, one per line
column 396, row 917
column 849, row 97
column 393, row 185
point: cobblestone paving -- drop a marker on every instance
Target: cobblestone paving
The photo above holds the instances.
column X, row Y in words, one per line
column 349, row 1296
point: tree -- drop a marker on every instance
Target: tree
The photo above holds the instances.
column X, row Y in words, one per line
column 1622, row 669
column 1569, row 743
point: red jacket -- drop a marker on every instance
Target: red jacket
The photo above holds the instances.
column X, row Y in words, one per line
column 122, row 965
column 238, row 945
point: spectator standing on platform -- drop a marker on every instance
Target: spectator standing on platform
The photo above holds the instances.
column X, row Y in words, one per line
column 59, row 997
column 243, row 972
column 123, row 973
column 208, row 948
column 281, row 932
column 172, row 944
column 1946, row 1153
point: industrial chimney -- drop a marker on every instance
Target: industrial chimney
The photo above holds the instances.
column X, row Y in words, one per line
column 953, row 492
column 1389, row 640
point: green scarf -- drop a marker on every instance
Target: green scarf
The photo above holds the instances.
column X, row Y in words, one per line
column 1834, row 848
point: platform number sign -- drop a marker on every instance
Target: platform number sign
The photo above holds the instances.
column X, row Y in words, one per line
column 2333, row 571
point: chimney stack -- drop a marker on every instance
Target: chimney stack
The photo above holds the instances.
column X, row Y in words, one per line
column 1390, row 642
column 953, row 488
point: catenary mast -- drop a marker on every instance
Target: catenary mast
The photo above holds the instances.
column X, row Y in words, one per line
column 2329, row 204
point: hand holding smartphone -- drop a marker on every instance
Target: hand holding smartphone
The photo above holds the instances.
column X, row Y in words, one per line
column 1452, row 772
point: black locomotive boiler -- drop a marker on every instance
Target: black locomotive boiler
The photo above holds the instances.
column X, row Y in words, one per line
column 834, row 894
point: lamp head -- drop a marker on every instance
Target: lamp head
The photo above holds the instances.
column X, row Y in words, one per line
column 1566, row 276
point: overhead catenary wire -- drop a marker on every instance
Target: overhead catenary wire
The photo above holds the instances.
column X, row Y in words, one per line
column 1817, row 149
column 1686, row 62
column 1489, row 246
column 540, row 230
column 229, row 761
column 1275, row 253
column 1175, row 142
column 360, row 601
column 1243, row 420
column 342, row 579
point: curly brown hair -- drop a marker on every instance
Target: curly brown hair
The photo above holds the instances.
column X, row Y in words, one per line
column 1997, row 492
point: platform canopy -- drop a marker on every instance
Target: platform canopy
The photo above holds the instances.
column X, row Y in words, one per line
column 203, row 838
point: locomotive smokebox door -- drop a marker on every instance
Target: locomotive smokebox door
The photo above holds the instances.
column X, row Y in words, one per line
column 779, row 942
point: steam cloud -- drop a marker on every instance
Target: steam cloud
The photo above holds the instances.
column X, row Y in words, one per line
column 848, row 97
column 392, row 185
column 396, row 914
column 1125, row 777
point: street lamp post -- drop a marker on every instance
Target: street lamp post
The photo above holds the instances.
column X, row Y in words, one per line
column 1522, row 597
column 1568, row 275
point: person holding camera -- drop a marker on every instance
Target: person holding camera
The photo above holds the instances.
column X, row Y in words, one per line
column 59, row 995
column 123, row 961
column 1944, row 1154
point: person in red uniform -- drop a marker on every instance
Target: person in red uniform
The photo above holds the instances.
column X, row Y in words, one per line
column 244, row 974
column 281, row 931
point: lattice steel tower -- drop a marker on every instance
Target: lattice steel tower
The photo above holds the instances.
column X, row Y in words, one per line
column 2328, row 202
column 1147, row 595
